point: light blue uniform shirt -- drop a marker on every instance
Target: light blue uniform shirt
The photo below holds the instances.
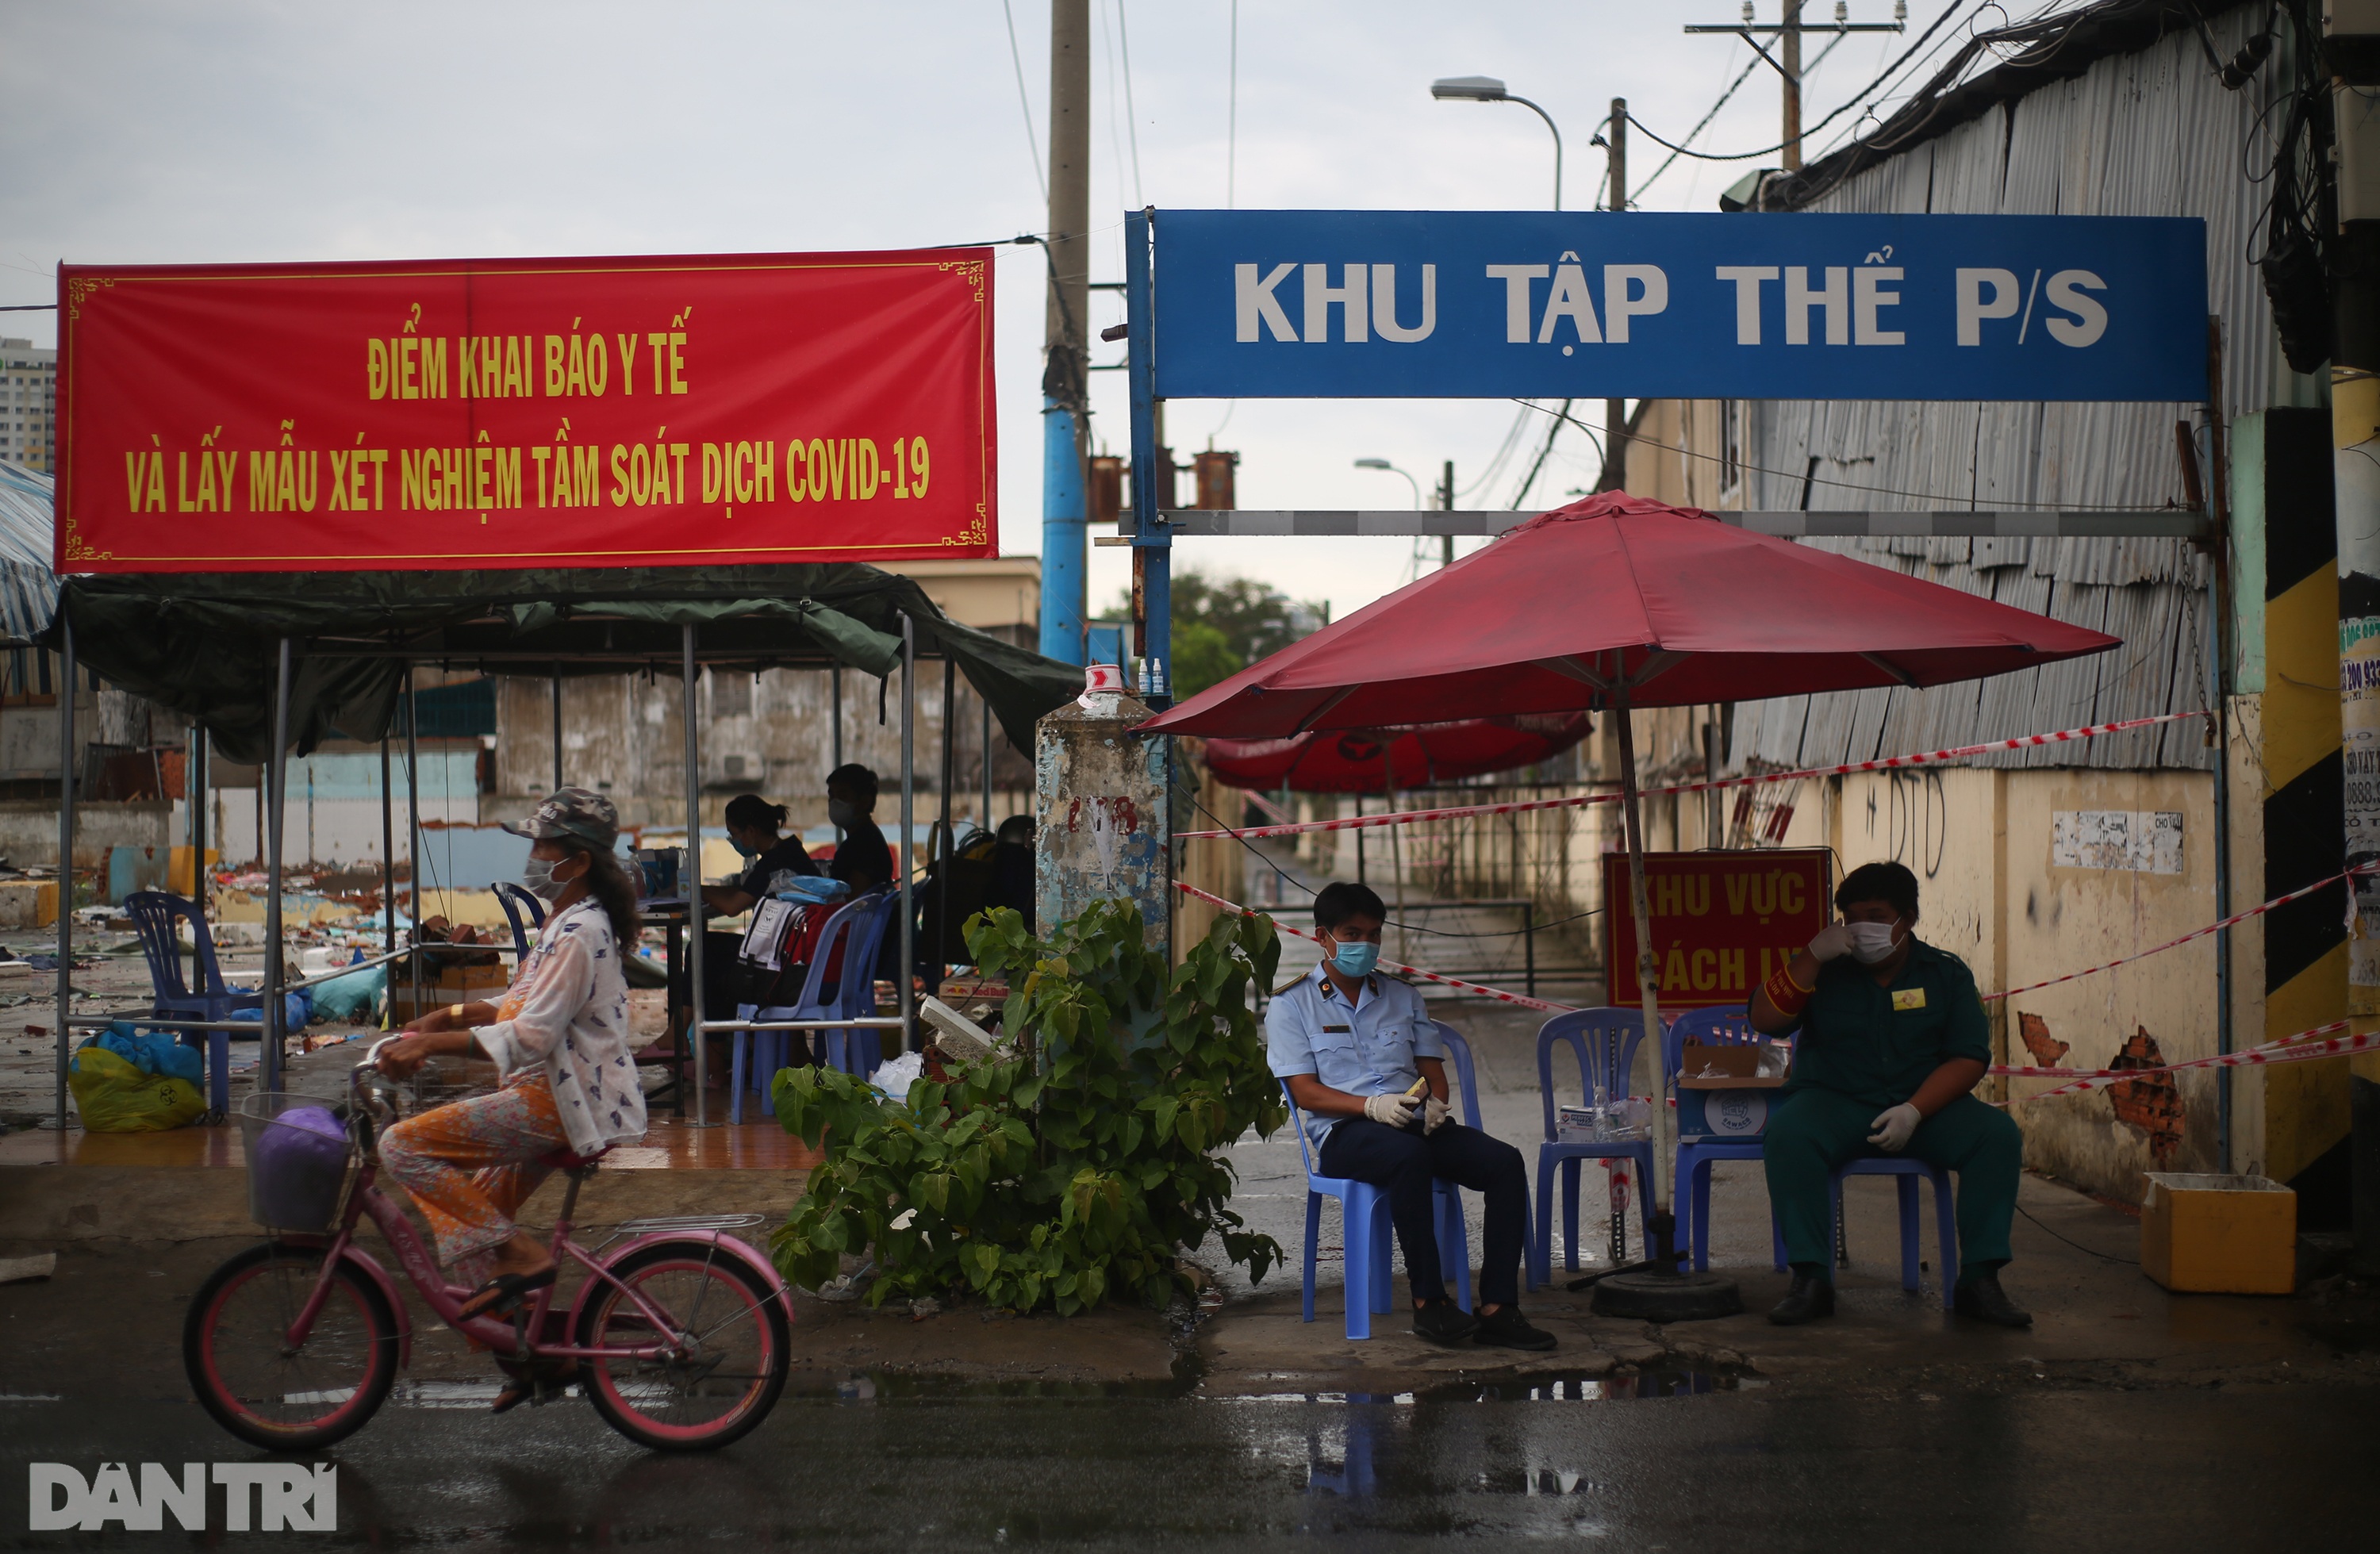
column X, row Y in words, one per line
column 1368, row 1050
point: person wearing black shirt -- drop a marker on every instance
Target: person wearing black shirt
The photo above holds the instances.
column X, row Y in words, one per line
column 755, row 829
column 863, row 859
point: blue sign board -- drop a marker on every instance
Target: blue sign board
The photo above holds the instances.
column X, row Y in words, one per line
column 1405, row 304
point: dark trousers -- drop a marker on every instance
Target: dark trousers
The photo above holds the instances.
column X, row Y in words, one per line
column 1815, row 1131
column 1406, row 1161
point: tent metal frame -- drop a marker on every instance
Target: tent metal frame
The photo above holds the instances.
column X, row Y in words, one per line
column 691, row 662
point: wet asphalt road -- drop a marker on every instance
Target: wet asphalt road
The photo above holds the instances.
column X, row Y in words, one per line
column 2104, row 1470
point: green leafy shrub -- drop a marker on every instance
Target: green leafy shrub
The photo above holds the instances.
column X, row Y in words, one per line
column 1067, row 1167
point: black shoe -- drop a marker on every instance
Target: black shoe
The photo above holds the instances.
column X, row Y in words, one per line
column 1443, row 1321
column 1505, row 1327
column 1982, row 1298
column 1812, row 1295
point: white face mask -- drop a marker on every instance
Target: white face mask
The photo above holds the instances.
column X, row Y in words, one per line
column 1871, row 942
column 538, row 875
column 842, row 814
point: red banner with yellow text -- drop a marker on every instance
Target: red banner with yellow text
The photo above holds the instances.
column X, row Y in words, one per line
column 1722, row 922
column 514, row 413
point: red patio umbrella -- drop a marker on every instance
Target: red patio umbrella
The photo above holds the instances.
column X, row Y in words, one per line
column 1616, row 602
column 1384, row 759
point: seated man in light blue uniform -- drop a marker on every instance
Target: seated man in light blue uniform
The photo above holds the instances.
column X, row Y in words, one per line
column 1352, row 1043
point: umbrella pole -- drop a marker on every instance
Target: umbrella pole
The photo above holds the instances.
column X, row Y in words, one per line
column 1662, row 1293
column 1396, row 859
column 1648, row 974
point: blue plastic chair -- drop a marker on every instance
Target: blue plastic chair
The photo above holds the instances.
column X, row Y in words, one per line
column 1726, row 1027
column 1605, row 1042
column 514, row 899
column 1369, row 1236
column 858, row 925
column 156, row 917
column 1905, row 1171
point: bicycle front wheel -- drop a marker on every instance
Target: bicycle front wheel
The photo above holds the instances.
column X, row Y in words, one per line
column 729, row 1342
column 235, row 1348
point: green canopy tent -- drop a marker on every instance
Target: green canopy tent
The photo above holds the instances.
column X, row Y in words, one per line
column 263, row 663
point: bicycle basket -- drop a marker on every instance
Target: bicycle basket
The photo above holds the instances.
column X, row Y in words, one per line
column 298, row 1153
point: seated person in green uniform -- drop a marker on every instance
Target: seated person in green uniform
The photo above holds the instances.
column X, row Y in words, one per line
column 1893, row 1040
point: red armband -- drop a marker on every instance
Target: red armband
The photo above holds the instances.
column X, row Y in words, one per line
column 1789, row 996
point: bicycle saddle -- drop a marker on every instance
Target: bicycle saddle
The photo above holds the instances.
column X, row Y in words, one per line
column 565, row 1159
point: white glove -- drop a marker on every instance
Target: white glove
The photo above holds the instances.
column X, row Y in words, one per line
column 1893, row 1125
column 1833, row 940
column 1433, row 1113
column 1395, row 1110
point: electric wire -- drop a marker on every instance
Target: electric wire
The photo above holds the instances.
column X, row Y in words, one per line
column 1530, row 480
column 1256, row 853
column 1023, row 100
column 1960, row 502
column 1855, row 100
column 1232, row 121
column 2109, row 1256
column 1131, row 113
column 1703, row 123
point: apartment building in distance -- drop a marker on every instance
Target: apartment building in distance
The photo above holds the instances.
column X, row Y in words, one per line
column 29, row 406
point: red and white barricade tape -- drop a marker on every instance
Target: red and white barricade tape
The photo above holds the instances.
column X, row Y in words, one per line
column 1496, row 993
column 2232, row 921
column 2301, row 1048
column 1416, row 817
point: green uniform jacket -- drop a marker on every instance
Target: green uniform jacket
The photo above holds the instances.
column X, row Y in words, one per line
column 1877, row 1045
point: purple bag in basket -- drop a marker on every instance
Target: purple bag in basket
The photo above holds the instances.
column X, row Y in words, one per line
column 300, row 1161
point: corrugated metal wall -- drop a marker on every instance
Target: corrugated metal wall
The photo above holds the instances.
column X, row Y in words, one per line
column 2146, row 134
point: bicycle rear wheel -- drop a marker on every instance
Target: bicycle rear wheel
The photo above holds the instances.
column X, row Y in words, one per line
column 235, row 1349
column 727, row 1326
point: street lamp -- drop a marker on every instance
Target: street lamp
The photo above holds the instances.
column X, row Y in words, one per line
column 1487, row 89
column 1384, row 464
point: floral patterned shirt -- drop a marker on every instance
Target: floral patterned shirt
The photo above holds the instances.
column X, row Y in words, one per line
column 566, row 1016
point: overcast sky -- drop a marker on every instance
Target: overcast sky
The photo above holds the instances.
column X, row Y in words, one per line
column 229, row 131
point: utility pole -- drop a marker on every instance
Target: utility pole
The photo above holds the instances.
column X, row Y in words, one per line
column 1615, row 411
column 1445, row 503
column 2354, row 54
column 1065, row 527
column 1787, row 60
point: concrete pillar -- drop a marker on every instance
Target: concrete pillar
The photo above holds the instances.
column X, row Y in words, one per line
column 1099, row 798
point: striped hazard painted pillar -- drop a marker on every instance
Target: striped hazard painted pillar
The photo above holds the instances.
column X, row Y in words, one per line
column 2287, row 550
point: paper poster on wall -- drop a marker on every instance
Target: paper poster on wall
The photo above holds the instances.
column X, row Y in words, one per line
column 2144, row 841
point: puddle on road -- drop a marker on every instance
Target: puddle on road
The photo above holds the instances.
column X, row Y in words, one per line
column 879, row 1386
column 1575, row 1387
column 876, row 1386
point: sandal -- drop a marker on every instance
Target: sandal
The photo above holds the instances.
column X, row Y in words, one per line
column 503, row 1291
column 535, row 1388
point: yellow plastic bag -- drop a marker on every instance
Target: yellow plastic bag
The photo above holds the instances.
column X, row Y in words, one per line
column 115, row 1097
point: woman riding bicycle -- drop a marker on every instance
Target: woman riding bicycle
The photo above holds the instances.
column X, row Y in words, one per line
column 560, row 1044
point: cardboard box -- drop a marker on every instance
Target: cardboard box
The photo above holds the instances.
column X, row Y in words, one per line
column 1722, row 1093
column 1735, row 1066
column 2211, row 1235
column 454, row 984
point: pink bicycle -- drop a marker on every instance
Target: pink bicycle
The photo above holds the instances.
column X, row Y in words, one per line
column 679, row 1334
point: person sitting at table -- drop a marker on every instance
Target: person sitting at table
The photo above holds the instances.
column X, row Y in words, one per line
column 1893, row 1043
column 756, row 829
column 863, row 859
column 1361, row 1057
